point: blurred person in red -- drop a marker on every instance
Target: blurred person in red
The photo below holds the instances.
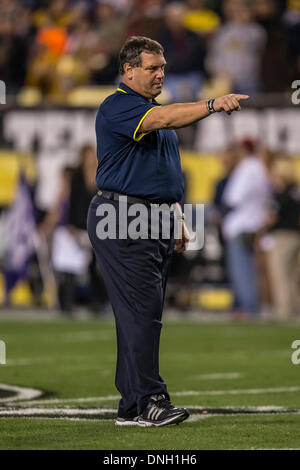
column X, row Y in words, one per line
column 284, row 227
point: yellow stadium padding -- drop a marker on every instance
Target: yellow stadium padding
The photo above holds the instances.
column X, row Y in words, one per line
column 89, row 96
column 213, row 299
column 20, row 295
column 297, row 166
column 11, row 163
column 201, row 21
column 202, row 172
column 94, row 95
column 29, row 96
column 294, row 4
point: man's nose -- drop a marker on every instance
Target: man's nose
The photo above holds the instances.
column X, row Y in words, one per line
column 160, row 74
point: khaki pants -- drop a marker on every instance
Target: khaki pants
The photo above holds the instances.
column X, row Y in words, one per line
column 283, row 263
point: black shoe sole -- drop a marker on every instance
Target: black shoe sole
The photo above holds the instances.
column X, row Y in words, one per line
column 172, row 420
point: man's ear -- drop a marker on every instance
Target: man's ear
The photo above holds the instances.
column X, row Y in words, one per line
column 128, row 70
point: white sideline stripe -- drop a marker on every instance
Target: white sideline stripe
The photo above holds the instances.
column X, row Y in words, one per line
column 86, row 414
column 262, row 408
column 55, row 411
column 65, row 418
column 18, row 362
column 251, row 391
column 74, row 400
column 27, row 362
column 22, row 393
column 254, row 391
column 79, row 419
column 229, row 375
column 198, row 417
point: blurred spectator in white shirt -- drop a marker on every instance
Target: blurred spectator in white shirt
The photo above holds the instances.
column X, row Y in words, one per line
column 246, row 198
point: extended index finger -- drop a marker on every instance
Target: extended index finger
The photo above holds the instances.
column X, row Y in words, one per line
column 241, row 97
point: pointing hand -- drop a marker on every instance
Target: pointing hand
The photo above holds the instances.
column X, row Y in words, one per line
column 229, row 103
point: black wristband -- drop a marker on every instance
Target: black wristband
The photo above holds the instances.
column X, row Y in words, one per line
column 210, row 106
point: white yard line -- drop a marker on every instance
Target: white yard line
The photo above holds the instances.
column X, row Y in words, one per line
column 27, row 361
column 57, row 411
column 81, row 414
column 198, row 417
column 219, row 376
column 253, row 391
column 21, row 393
column 73, row 400
column 260, row 409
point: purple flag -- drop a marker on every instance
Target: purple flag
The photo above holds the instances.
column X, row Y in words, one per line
column 21, row 240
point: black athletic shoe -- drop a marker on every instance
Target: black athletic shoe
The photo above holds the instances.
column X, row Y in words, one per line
column 127, row 421
column 160, row 412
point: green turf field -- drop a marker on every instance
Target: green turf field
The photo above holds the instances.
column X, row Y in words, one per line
column 227, row 370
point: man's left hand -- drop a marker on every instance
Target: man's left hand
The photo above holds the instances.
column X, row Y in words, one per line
column 182, row 242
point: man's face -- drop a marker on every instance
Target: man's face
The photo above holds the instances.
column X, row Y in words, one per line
column 147, row 79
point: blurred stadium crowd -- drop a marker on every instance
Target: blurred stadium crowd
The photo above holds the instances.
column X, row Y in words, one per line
column 250, row 261
column 240, row 45
column 249, row 264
